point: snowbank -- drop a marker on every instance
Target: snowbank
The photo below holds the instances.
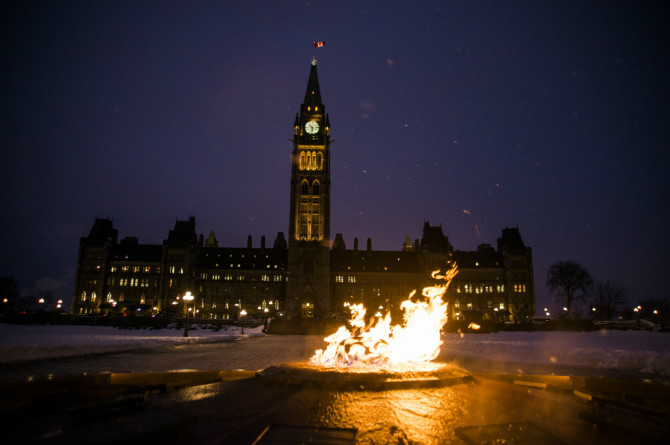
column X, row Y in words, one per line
column 33, row 342
column 541, row 351
column 640, row 351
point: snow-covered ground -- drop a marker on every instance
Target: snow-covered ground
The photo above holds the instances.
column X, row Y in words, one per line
column 636, row 351
column 34, row 342
column 542, row 351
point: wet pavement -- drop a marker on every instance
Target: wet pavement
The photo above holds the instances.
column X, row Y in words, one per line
column 247, row 408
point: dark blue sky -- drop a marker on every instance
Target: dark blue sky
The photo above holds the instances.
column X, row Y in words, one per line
column 476, row 115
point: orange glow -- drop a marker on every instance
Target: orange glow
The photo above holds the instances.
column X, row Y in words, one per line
column 416, row 341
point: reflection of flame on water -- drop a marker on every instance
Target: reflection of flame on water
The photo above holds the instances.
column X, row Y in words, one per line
column 378, row 344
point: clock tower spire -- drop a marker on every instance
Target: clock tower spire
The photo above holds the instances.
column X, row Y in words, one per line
column 309, row 225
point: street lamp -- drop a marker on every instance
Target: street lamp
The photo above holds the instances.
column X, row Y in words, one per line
column 242, row 314
column 187, row 297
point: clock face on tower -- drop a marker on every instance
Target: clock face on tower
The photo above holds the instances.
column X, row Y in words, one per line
column 312, row 127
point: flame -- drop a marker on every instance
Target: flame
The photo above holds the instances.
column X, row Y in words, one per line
column 378, row 344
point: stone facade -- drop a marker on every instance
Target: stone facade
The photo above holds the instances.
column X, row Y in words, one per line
column 309, row 275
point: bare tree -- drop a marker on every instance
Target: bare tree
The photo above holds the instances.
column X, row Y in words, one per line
column 569, row 281
column 608, row 299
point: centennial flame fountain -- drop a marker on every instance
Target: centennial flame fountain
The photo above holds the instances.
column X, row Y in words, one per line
column 375, row 354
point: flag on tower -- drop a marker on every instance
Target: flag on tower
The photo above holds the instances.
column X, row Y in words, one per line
column 319, row 44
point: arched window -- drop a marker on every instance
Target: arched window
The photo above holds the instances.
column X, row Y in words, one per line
column 307, row 310
column 315, row 188
column 93, row 296
column 319, row 161
column 301, row 163
column 304, row 188
column 83, row 296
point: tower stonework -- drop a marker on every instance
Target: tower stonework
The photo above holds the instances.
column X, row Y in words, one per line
column 302, row 276
column 309, row 226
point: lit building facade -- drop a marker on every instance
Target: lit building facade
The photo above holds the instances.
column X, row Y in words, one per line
column 310, row 275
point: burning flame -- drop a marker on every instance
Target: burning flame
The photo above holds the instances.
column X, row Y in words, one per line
column 377, row 343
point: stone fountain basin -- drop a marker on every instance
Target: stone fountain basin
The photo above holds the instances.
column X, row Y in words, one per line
column 366, row 377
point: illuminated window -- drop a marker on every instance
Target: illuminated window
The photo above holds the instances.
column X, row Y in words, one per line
column 315, row 188
column 109, row 297
column 83, row 296
column 351, row 279
column 93, row 296
column 339, row 279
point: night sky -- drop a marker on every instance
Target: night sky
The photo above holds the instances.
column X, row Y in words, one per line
column 477, row 115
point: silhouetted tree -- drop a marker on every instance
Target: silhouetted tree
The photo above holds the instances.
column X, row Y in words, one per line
column 608, row 299
column 569, row 281
column 10, row 291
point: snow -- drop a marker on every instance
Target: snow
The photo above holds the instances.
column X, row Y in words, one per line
column 638, row 351
column 34, row 342
column 541, row 351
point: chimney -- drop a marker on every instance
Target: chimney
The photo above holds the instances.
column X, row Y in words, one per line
column 249, row 242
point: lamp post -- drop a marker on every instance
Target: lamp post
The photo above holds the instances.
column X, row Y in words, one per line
column 243, row 313
column 187, row 297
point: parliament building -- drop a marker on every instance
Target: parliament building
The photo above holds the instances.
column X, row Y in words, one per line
column 308, row 275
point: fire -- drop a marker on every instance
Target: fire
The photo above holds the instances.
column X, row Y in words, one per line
column 379, row 344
